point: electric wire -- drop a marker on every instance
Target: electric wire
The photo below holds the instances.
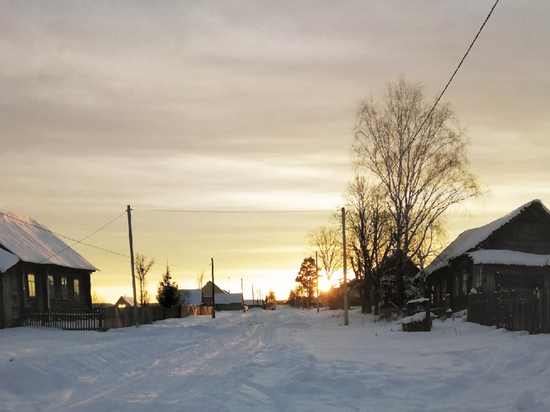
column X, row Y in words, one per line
column 84, row 238
column 456, row 70
column 45, row 229
column 235, row 211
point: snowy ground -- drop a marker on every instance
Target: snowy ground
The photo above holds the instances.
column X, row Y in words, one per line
column 283, row 360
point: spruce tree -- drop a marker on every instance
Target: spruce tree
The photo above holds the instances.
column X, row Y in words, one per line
column 167, row 293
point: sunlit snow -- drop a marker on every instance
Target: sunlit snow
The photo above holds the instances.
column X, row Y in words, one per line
column 282, row 360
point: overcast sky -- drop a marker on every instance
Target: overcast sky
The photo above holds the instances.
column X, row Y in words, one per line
column 247, row 105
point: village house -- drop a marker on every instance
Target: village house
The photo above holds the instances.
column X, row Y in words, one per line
column 511, row 253
column 125, row 302
column 38, row 271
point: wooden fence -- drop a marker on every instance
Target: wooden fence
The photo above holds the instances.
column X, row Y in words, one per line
column 67, row 320
column 513, row 310
column 110, row 317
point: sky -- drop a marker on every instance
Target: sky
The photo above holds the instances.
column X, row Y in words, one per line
column 247, row 106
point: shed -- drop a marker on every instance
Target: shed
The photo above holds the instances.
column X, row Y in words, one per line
column 229, row 301
column 512, row 252
column 38, row 270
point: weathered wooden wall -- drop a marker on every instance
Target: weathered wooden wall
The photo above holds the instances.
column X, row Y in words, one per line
column 512, row 310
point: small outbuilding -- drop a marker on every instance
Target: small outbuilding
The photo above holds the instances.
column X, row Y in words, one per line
column 512, row 252
column 229, row 301
column 191, row 297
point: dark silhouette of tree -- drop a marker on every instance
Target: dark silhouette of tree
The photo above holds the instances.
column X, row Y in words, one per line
column 328, row 243
column 168, row 295
column 142, row 267
column 307, row 276
column 419, row 161
column 369, row 238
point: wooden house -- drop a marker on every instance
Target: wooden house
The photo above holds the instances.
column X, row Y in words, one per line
column 38, row 271
column 125, row 302
column 207, row 293
column 512, row 252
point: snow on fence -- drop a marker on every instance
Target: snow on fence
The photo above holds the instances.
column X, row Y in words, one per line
column 512, row 310
column 108, row 318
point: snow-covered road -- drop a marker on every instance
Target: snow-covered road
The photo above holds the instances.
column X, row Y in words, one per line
column 283, row 360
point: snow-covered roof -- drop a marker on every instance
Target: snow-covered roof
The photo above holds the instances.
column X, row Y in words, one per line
column 228, row 298
column 32, row 242
column 125, row 300
column 471, row 238
column 7, row 260
column 192, row 297
column 509, row 257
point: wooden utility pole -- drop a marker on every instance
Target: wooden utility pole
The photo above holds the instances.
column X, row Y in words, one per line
column 345, row 285
column 317, row 273
column 129, row 211
column 213, row 292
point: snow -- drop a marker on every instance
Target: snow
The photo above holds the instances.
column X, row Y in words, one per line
column 283, row 360
column 192, row 297
column 32, row 242
column 417, row 317
column 228, row 298
column 509, row 257
column 7, row 260
column 473, row 237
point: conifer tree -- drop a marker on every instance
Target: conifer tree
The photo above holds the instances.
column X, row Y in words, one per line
column 167, row 293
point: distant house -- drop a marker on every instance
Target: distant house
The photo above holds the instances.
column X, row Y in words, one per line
column 125, row 302
column 229, row 301
column 38, row 271
column 207, row 293
column 191, row 297
column 512, row 252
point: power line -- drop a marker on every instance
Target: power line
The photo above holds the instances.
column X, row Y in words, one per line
column 456, row 70
column 84, row 238
column 45, row 229
column 236, row 211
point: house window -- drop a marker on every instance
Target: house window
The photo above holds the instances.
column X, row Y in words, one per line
column 464, row 283
column 456, row 288
column 64, row 289
column 479, row 279
column 76, row 289
column 51, row 287
column 32, row 285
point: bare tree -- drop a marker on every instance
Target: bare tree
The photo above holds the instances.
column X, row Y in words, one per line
column 142, row 268
column 327, row 241
column 419, row 158
column 369, row 236
column 200, row 278
column 97, row 299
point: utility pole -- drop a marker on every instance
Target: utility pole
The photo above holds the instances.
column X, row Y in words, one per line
column 213, row 292
column 345, row 285
column 129, row 212
column 242, row 295
column 317, row 273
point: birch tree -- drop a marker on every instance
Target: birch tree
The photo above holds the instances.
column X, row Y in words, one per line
column 419, row 157
column 142, row 267
column 327, row 241
column 370, row 239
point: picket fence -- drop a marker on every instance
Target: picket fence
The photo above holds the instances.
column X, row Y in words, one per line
column 106, row 318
